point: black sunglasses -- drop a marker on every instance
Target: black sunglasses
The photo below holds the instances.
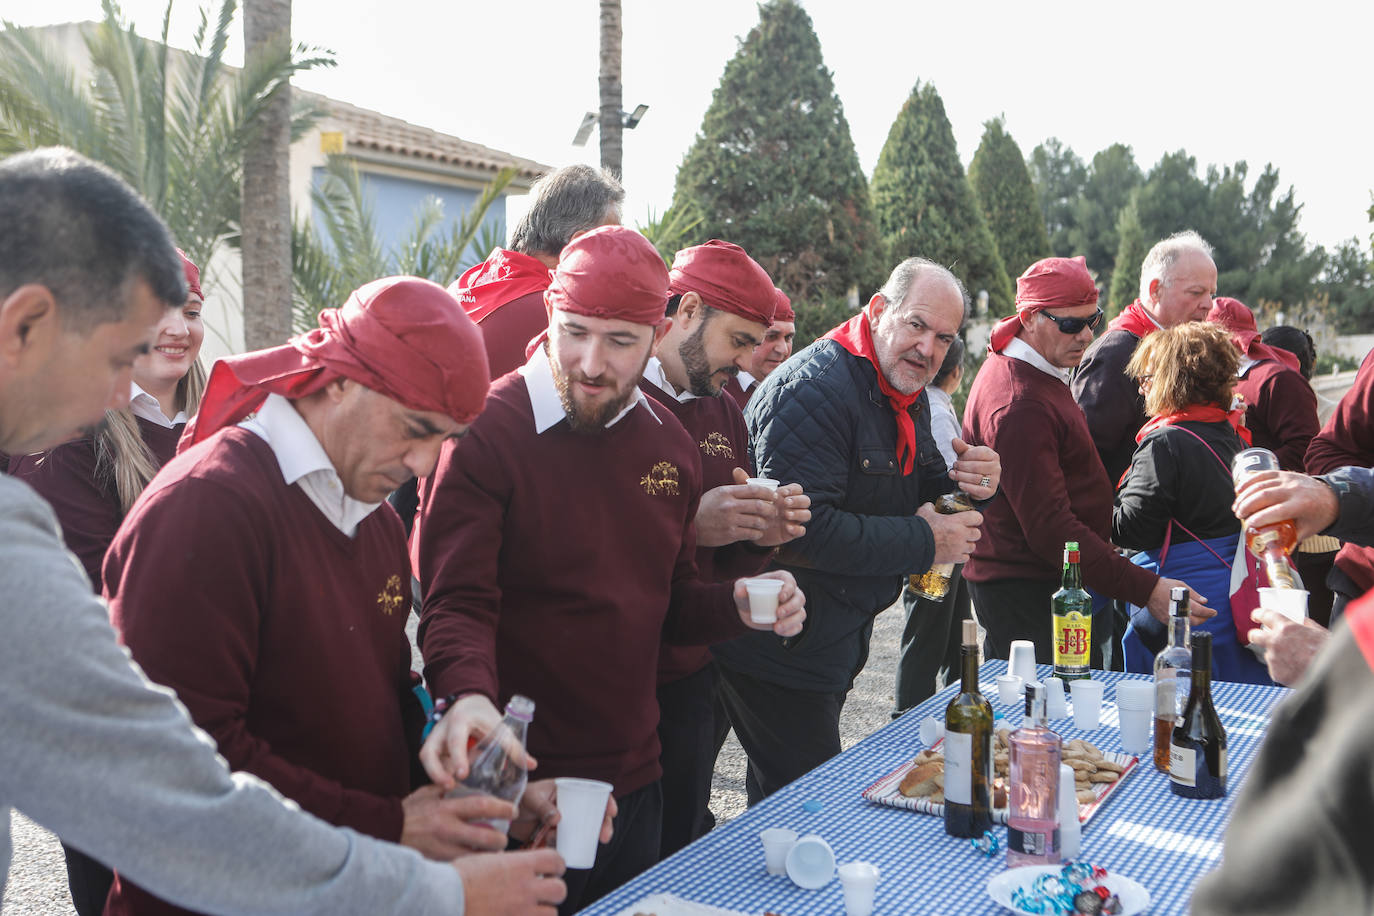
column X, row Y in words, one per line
column 1074, row 325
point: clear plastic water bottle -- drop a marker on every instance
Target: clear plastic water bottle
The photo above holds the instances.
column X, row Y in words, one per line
column 494, row 770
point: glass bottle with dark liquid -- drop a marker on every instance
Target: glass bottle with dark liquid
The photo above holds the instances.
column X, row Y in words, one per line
column 1197, row 750
column 1172, row 665
column 968, row 749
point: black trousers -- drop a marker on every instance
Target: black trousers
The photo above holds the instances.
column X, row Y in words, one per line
column 785, row 731
column 930, row 642
column 690, row 732
column 88, row 880
column 1011, row 609
column 633, row 849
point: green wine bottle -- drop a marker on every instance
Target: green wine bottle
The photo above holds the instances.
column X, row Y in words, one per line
column 968, row 749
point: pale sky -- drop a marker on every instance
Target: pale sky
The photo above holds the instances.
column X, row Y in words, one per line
column 1288, row 84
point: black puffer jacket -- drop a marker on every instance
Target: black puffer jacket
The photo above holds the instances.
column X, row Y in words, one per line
column 820, row 420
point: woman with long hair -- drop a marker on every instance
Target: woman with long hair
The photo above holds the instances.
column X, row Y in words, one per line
column 1174, row 502
column 92, row 482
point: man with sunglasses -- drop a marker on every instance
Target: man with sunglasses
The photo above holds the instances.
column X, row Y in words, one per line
column 1057, row 490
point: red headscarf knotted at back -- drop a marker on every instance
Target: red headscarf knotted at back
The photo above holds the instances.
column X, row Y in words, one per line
column 1047, row 284
column 403, row 337
column 610, row 272
column 726, row 278
column 1237, row 320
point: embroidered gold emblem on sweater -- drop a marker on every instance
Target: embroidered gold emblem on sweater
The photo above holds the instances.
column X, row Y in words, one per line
column 717, row 446
column 662, row 480
column 389, row 598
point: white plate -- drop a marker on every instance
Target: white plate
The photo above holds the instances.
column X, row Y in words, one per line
column 1134, row 898
column 669, row 905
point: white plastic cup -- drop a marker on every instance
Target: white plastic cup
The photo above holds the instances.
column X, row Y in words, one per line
column 1135, row 695
column 777, row 843
column 1070, row 829
column 860, row 883
column 1009, row 689
column 581, row 810
column 1135, row 725
column 763, row 482
column 1087, row 704
column 1290, row 602
column 1021, row 660
column 763, row 599
column 1055, row 706
column 932, row 730
column 811, row 862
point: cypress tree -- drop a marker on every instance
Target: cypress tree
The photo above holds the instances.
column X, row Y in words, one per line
column 1130, row 252
column 924, row 203
column 774, row 168
column 1059, row 176
column 1002, row 186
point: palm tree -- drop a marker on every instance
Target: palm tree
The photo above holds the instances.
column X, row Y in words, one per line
column 343, row 250
column 267, row 186
column 612, row 121
column 174, row 125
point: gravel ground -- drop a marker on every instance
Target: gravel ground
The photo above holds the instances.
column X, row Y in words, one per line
column 38, row 878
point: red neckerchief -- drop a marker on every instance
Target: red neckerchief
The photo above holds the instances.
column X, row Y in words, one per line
column 854, row 335
column 1134, row 320
column 503, row 277
column 1199, row 413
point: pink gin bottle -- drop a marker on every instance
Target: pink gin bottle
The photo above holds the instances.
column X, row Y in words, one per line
column 1033, row 818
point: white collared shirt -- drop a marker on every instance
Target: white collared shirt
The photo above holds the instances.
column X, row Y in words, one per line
column 548, row 406
column 142, row 404
column 1019, row 349
column 746, row 381
column 656, row 376
column 303, row 462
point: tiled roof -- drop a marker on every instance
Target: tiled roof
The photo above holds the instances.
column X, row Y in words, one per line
column 373, row 130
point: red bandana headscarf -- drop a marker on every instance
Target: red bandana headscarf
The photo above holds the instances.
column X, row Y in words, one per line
column 726, row 278
column 1238, row 321
column 610, row 272
column 783, row 310
column 402, row 337
column 856, row 337
column 1046, row 284
column 192, row 276
column 501, row 279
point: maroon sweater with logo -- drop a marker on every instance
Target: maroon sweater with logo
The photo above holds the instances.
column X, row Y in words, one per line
column 284, row 638
column 717, row 426
column 86, row 502
column 1054, row 487
column 554, row 565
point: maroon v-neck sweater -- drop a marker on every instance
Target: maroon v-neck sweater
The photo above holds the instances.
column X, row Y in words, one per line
column 87, row 503
column 284, row 637
column 554, row 565
column 717, row 426
column 1054, row 487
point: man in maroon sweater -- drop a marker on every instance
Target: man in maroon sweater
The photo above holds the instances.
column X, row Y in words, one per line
column 722, row 303
column 1177, row 282
column 556, row 545
column 1280, row 406
column 266, row 544
column 769, row 355
column 505, row 293
column 1057, row 489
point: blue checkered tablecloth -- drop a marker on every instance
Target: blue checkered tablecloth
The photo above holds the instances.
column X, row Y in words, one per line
column 1144, row 831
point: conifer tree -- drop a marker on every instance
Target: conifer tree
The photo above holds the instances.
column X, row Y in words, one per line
column 1059, row 176
column 774, row 168
column 1002, row 186
column 925, row 205
column 1130, row 252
